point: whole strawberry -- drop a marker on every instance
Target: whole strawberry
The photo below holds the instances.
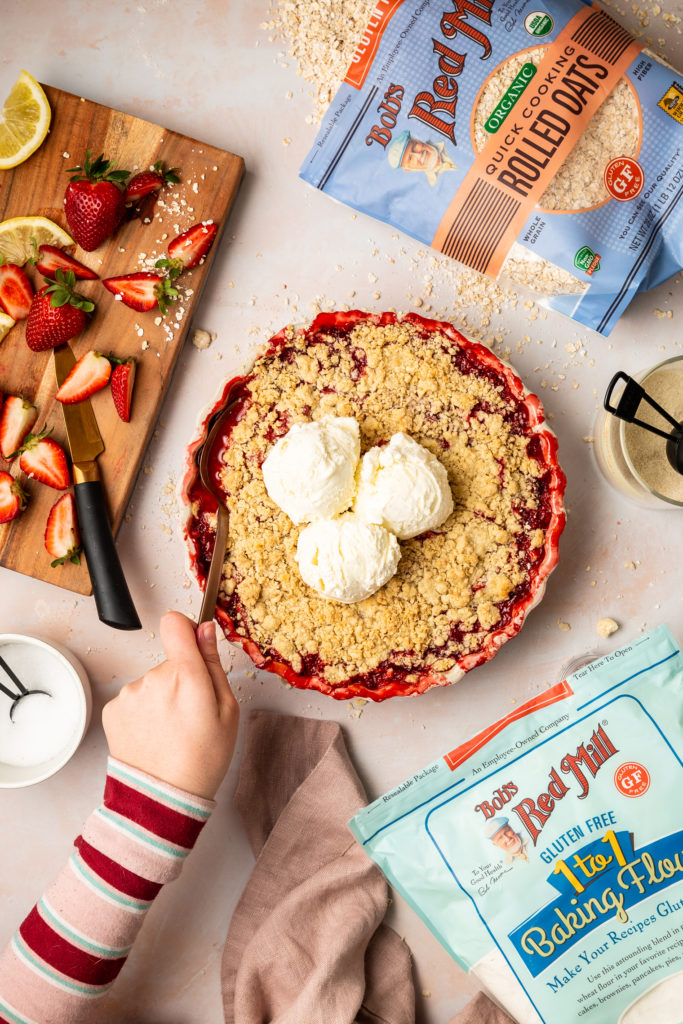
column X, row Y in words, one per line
column 94, row 201
column 57, row 313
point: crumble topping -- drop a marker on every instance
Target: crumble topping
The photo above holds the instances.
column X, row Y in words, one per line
column 453, row 585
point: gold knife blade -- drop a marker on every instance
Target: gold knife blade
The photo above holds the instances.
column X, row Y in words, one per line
column 85, row 440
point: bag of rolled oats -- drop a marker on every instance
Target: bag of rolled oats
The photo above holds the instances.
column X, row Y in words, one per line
column 546, row 853
column 535, row 142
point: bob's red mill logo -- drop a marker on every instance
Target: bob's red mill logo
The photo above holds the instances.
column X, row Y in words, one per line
column 582, row 766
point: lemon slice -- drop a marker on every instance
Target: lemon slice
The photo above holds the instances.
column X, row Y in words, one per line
column 24, row 121
column 6, row 324
column 16, row 234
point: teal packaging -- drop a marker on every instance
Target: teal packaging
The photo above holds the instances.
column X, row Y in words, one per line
column 546, row 854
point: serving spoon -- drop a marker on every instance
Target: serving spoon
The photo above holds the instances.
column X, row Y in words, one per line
column 23, row 692
column 204, row 460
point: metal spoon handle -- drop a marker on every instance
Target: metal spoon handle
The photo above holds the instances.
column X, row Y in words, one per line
column 12, row 696
column 213, row 578
column 15, row 678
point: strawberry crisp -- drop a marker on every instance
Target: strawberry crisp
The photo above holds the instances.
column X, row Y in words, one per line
column 460, row 591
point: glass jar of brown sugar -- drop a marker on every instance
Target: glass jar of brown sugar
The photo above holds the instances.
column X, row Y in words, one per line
column 634, row 460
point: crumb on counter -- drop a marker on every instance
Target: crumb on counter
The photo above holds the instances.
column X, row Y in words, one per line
column 605, row 627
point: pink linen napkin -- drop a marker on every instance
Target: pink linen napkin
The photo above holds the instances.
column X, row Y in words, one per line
column 306, row 944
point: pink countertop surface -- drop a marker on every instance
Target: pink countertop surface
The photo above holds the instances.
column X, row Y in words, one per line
column 208, row 69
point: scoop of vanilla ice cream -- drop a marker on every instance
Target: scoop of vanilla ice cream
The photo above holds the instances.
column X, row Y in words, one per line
column 403, row 487
column 346, row 559
column 310, row 472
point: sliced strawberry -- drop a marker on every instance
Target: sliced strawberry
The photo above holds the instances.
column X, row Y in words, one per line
column 146, row 182
column 90, row 374
column 13, row 497
column 16, row 291
column 49, row 259
column 190, row 248
column 45, row 461
column 93, row 202
column 122, row 379
column 143, row 291
column 16, row 420
column 58, row 313
column 62, row 538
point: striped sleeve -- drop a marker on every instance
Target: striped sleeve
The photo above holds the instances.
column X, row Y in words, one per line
column 69, row 950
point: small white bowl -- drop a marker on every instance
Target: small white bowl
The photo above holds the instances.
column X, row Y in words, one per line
column 59, row 660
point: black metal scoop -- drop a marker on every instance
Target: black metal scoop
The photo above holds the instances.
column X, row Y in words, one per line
column 23, row 692
column 627, row 407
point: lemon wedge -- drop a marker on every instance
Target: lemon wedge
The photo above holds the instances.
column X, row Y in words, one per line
column 24, row 121
column 6, row 324
column 16, row 234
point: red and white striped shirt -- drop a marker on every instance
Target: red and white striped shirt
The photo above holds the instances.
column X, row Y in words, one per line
column 68, row 952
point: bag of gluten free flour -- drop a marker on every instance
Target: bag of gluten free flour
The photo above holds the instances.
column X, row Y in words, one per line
column 536, row 141
column 547, row 853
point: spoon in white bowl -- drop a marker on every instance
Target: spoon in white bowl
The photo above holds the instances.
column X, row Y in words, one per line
column 23, row 692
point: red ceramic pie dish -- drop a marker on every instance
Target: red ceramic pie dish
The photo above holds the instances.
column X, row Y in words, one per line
column 537, row 521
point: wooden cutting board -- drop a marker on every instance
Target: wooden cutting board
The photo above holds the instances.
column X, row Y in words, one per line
column 209, row 181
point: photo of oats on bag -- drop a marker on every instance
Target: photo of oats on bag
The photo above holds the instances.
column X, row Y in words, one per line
column 546, row 853
column 539, row 146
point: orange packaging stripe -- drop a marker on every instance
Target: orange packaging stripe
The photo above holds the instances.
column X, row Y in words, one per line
column 554, row 694
column 517, row 164
column 367, row 48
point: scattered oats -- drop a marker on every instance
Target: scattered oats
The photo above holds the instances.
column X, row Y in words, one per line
column 588, row 439
column 145, row 346
column 629, row 565
column 157, row 321
column 605, row 627
column 564, row 626
column 215, row 167
column 65, row 155
column 372, row 278
column 201, row 339
column 195, row 187
column 286, row 141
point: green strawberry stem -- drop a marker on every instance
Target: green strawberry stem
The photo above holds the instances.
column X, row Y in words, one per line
column 61, row 292
column 98, row 170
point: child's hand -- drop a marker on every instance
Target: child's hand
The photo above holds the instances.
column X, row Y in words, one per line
column 179, row 721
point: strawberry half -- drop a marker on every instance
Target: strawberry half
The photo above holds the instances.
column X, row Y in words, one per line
column 16, row 420
column 13, row 497
column 57, row 314
column 143, row 291
column 146, row 182
column 94, row 203
column 90, row 374
column 62, row 538
column 45, row 461
column 190, row 248
column 16, row 291
column 49, row 259
column 122, row 380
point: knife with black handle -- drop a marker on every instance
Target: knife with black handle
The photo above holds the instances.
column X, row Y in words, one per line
column 114, row 604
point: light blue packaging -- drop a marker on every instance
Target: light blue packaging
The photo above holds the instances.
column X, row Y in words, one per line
column 546, row 854
column 416, row 77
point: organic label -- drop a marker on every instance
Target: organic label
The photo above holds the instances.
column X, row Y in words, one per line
column 538, row 23
column 510, row 97
column 587, row 260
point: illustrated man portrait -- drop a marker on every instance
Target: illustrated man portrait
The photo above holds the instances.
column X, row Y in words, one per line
column 411, row 154
column 502, row 835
